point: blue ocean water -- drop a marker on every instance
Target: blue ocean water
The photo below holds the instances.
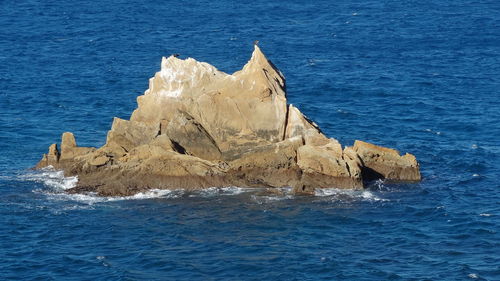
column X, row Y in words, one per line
column 421, row 77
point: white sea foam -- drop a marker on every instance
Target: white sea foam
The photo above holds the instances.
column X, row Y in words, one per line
column 261, row 199
column 206, row 192
column 432, row 131
column 341, row 194
column 279, row 194
column 379, row 185
column 58, row 185
column 224, row 191
column 234, row 190
column 333, row 194
column 92, row 198
column 52, row 178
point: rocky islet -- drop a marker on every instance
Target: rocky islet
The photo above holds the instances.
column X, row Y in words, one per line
column 197, row 127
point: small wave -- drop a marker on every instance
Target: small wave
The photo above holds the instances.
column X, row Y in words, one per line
column 273, row 195
column 433, row 132
column 342, row 194
column 224, row 191
column 91, row 198
column 52, row 178
column 485, row 215
column 261, row 199
column 378, row 185
column 58, row 184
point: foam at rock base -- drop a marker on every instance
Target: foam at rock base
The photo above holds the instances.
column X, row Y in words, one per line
column 364, row 195
column 52, row 178
column 58, row 184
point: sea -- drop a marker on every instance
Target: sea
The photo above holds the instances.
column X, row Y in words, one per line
column 419, row 76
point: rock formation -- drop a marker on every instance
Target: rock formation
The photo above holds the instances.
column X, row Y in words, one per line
column 198, row 127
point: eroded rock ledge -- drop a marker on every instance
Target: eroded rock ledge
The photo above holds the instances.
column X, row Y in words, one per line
column 197, row 127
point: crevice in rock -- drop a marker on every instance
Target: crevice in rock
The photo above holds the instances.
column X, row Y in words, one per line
column 286, row 121
column 159, row 130
column 348, row 168
column 57, row 153
column 273, row 66
column 178, row 148
column 369, row 174
column 201, row 129
column 275, row 90
column 210, row 138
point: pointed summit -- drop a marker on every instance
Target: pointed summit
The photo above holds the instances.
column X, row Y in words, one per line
column 259, row 61
column 258, row 56
column 261, row 69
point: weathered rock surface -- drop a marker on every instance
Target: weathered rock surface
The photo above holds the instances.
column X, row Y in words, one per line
column 197, row 127
column 382, row 162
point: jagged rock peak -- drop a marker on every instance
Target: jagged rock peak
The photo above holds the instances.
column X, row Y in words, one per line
column 250, row 103
column 180, row 78
column 259, row 62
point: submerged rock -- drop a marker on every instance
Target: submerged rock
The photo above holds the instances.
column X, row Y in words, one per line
column 198, row 127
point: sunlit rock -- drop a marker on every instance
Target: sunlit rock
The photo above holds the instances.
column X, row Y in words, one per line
column 197, row 127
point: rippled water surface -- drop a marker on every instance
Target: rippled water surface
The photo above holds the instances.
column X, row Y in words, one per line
column 421, row 77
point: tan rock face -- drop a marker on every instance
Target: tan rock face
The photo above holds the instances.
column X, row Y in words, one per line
column 249, row 104
column 384, row 162
column 129, row 134
column 299, row 125
column 197, row 127
column 326, row 165
column 51, row 158
column 69, row 149
column 189, row 137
